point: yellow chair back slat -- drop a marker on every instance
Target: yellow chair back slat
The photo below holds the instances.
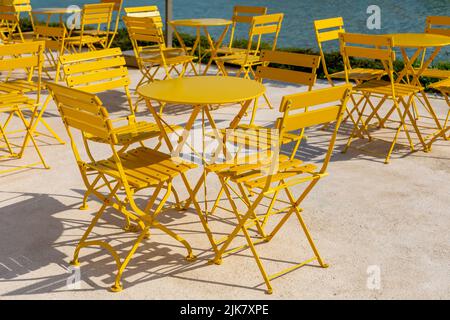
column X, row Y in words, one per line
column 143, row 11
column 312, row 98
column 312, row 118
column 438, row 25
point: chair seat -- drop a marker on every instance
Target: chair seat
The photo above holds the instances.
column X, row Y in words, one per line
column 20, row 85
column 254, row 175
column 228, row 50
column 443, row 86
column 84, row 39
column 240, row 59
column 433, row 73
column 359, row 74
column 385, row 88
column 135, row 132
column 13, row 101
column 144, row 167
column 170, row 60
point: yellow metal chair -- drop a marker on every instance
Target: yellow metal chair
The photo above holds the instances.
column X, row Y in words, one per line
column 95, row 27
column 23, row 8
column 112, row 33
column 328, row 30
column 144, row 31
column 10, row 30
column 266, row 25
column 275, row 173
column 242, row 15
column 302, row 71
column 55, row 45
column 444, row 87
column 380, row 48
column 21, row 79
column 103, row 71
column 13, row 103
column 141, row 169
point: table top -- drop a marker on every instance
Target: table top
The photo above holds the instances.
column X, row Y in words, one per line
column 207, row 22
column 203, row 90
column 62, row 10
column 417, row 40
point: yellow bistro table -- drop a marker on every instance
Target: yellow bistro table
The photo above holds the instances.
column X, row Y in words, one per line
column 419, row 43
column 49, row 12
column 202, row 24
column 200, row 92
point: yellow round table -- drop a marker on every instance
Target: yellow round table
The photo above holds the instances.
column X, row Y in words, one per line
column 200, row 24
column 420, row 42
column 200, row 92
column 56, row 11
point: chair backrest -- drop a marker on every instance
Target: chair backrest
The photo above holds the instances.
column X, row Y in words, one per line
column 242, row 15
column 312, row 108
column 307, row 64
column 373, row 47
column 9, row 24
column 98, row 15
column 23, row 6
column 83, row 111
column 327, row 30
column 28, row 56
column 95, row 71
column 54, row 37
column 266, row 25
column 145, row 32
column 438, row 25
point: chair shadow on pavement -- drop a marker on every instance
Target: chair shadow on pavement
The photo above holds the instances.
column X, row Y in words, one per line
column 33, row 238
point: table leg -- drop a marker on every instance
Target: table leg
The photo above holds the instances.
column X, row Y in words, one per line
column 214, row 46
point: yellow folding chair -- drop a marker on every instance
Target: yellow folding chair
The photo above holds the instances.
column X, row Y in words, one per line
column 328, row 30
column 104, row 71
column 55, row 46
column 95, row 27
column 265, row 25
column 302, row 71
column 375, row 47
column 21, row 79
column 267, row 176
column 444, row 87
column 23, row 7
column 10, row 30
column 13, row 103
column 242, row 16
column 142, row 169
column 112, row 33
column 145, row 31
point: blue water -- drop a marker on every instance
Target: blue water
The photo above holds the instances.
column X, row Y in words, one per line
column 297, row 30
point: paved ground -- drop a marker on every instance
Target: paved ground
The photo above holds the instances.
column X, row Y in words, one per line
column 371, row 222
